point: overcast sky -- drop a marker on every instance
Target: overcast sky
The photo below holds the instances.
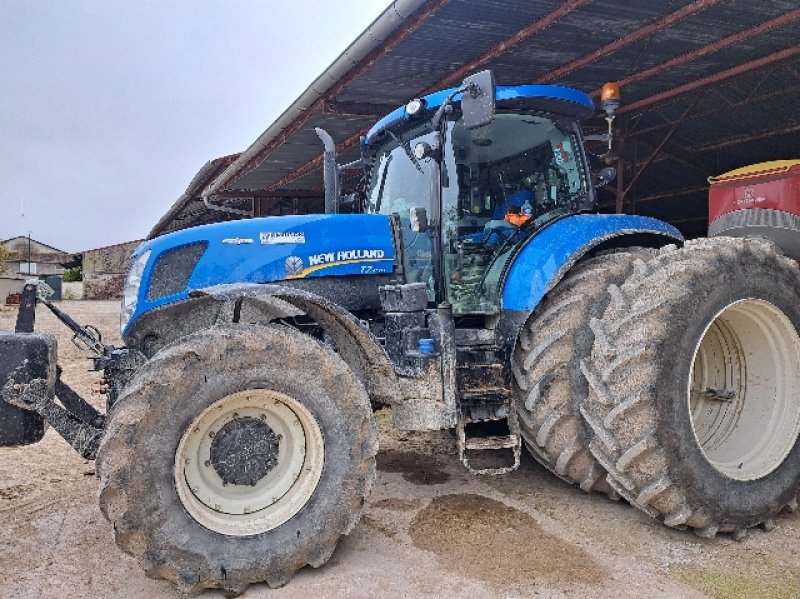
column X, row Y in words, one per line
column 108, row 109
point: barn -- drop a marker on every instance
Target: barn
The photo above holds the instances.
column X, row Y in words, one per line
column 707, row 86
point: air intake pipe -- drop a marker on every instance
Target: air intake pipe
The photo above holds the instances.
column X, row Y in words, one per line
column 330, row 172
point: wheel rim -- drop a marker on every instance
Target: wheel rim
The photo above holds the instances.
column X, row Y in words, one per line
column 249, row 462
column 744, row 390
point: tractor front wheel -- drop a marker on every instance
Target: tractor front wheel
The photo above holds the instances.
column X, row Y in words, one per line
column 237, row 455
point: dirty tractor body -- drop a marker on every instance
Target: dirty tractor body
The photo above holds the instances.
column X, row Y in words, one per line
column 474, row 288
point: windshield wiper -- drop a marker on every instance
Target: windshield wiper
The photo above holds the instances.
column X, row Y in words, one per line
column 407, row 149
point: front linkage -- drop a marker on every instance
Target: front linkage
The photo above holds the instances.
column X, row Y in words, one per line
column 79, row 423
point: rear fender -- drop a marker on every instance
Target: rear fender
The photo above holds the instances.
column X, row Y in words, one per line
column 549, row 254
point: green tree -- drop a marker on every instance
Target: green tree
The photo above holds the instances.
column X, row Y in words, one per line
column 73, row 274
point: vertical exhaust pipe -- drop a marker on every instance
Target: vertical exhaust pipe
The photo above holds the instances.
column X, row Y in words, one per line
column 330, row 172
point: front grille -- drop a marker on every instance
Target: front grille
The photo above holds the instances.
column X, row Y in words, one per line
column 173, row 268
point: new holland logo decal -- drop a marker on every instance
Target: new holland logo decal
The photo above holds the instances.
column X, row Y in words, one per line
column 294, row 266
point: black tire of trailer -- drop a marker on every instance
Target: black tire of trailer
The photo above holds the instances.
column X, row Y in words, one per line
column 136, row 461
column 670, row 439
column 549, row 385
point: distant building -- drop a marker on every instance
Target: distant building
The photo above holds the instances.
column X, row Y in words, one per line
column 31, row 259
column 104, row 270
column 34, row 258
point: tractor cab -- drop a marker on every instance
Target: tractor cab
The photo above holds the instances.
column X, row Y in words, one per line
column 468, row 193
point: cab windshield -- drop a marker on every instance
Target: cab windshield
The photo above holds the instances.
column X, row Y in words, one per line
column 398, row 183
column 499, row 184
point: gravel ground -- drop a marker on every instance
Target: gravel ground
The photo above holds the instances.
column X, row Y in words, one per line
column 430, row 529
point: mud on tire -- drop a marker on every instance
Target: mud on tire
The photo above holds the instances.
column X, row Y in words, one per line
column 136, row 462
column 546, row 365
column 694, row 382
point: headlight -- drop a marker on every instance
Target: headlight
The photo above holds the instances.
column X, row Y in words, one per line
column 415, row 106
column 130, row 293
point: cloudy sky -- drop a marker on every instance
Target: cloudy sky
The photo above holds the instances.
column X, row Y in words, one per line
column 108, row 109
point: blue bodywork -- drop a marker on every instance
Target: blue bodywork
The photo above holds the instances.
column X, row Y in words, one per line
column 276, row 248
column 264, row 250
column 549, row 254
column 573, row 101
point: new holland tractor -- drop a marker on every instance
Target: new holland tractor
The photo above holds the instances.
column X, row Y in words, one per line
column 474, row 289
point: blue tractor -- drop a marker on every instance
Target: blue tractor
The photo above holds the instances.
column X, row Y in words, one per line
column 464, row 289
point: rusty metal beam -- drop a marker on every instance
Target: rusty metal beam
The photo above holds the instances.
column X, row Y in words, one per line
column 672, row 194
column 495, row 51
column 666, row 156
column 260, row 193
column 735, row 38
column 391, row 42
column 657, row 150
column 316, row 163
column 718, row 109
column 266, row 204
column 711, row 79
column 507, row 44
column 740, row 139
column 641, row 33
column 356, row 109
column 673, row 156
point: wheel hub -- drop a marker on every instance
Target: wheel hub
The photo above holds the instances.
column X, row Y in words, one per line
column 244, row 451
column 249, row 462
column 743, row 401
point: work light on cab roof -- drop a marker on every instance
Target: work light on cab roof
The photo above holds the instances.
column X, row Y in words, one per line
column 415, row 106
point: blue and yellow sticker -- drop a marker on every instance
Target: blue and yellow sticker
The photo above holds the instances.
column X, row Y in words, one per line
column 355, row 261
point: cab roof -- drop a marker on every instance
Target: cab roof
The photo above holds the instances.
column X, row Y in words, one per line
column 555, row 99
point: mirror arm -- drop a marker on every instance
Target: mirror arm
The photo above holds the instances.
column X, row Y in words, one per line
column 443, row 109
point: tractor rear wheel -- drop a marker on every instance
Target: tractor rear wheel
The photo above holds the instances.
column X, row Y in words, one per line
column 237, row 455
column 695, row 386
column 546, row 365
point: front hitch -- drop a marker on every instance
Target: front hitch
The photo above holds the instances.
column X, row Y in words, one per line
column 32, row 381
column 35, row 397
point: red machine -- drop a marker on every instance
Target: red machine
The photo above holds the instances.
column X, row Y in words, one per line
column 760, row 200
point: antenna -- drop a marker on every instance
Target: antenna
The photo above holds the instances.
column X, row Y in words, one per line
column 21, row 216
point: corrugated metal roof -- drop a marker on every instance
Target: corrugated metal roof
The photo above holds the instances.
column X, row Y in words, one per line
column 189, row 209
column 736, row 62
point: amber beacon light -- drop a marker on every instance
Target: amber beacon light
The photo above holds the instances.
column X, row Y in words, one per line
column 609, row 97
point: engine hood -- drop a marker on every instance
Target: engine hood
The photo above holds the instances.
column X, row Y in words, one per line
column 261, row 250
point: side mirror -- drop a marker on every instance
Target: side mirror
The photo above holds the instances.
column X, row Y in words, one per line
column 419, row 220
column 477, row 100
column 605, row 176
